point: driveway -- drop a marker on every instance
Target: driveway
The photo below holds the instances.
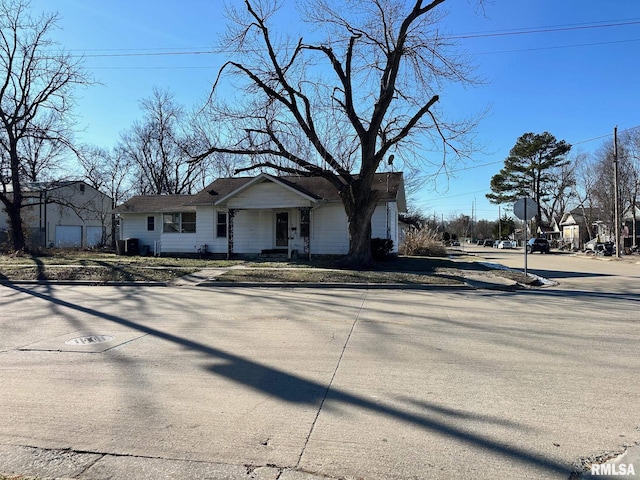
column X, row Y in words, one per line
column 300, row 384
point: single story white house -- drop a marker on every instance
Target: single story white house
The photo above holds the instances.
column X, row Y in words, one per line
column 290, row 215
column 63, row 213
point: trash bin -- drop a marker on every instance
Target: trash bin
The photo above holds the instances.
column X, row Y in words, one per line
column 120, row 247
column 131, row 246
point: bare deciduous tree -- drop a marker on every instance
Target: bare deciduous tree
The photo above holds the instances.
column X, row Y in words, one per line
column 366, row 86
column 109, row 172
column 157, row 147
column 36, row 83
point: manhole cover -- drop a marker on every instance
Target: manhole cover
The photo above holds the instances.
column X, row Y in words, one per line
column 89, row 340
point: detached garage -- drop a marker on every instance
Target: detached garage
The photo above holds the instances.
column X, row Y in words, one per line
column 68, row 236
column 95, row 236
column 63, row 214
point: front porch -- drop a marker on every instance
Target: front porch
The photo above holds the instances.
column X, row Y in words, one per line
column 269, row 233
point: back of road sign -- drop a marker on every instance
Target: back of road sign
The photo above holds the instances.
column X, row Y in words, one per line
column 525, row 208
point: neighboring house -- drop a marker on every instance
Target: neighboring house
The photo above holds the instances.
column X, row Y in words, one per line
column 581, row 225
column 552, row 233
column 252, row 215
column 63, row 214
column 631, row 227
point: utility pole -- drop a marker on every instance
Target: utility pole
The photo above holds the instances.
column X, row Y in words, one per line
column 473, row 204
column 616, row 207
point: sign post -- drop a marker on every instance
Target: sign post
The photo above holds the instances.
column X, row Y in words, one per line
column 525, row 209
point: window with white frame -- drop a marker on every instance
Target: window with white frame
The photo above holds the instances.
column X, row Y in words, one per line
column 183, row 222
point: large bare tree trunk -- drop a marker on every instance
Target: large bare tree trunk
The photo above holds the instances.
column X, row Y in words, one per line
column 16, row 232
column 359, row 204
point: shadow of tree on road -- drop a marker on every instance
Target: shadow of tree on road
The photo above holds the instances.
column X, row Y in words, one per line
column 295, row 389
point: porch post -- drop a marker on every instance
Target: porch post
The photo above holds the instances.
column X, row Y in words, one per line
column 305, row 229
column 230, row 214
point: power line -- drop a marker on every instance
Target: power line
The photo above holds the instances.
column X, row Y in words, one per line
column 556, row 47
column 604, row 136
column 163, row 52
column 527, row 31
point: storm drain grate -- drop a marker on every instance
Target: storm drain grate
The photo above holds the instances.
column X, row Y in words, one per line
column 89, row 340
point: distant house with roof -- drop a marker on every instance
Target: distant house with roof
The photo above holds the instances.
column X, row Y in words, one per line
column 631, row 227
column 65, row 213
column 583, row 224
column 254, row 215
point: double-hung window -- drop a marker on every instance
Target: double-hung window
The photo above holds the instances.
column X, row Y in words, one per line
column 183, row 222
column 221, row 224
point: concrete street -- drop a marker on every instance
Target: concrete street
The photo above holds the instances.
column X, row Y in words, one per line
column 308, row 383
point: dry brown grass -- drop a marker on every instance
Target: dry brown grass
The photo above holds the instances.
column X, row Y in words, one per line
column 423, row 242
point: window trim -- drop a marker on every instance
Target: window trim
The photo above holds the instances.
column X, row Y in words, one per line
column 176, row 224
column 220, row 225
column 151, row 222
column 190, row 223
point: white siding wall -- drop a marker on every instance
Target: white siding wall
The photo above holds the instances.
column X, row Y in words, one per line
column 180, row 243
column 267, row 195
column 253, row 231
column 206, row 226
column 393, row 225
column 384, row 223
column 135, row 226
column 329, row 230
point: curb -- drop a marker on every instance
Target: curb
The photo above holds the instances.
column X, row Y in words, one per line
column 357, row 286
column 88, row 283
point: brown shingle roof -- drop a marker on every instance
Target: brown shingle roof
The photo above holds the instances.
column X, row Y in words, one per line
column 316, row 187
column 154, row 203
column 388, row 184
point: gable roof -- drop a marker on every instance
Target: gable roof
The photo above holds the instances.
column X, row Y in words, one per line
column 36, row 187
column 390, row 186
column 155, row 203
column 317, row 189
column 223, row 189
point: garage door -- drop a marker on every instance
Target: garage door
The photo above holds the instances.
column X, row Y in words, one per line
column 94, row 236
column 68, row 236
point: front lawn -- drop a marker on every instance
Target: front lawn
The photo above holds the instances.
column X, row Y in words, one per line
column 102, row 267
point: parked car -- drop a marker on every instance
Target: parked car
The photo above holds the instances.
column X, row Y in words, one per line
column 487, row 243
column 505, row 244
column 496, row 243
column 538, row 245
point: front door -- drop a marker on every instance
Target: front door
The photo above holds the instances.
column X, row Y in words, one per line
column 282, row 229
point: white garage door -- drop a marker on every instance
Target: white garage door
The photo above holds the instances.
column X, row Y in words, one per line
column 94, row 236
column 68, row 236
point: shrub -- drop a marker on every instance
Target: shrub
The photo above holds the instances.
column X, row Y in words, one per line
column 381, row 248
column 423, row 242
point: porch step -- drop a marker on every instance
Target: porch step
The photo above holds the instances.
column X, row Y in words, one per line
column 274, row 254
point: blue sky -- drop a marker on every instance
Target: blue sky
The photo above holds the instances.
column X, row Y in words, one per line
column 577, row 76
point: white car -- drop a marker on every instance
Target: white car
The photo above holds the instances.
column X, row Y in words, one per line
column 505, row 244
